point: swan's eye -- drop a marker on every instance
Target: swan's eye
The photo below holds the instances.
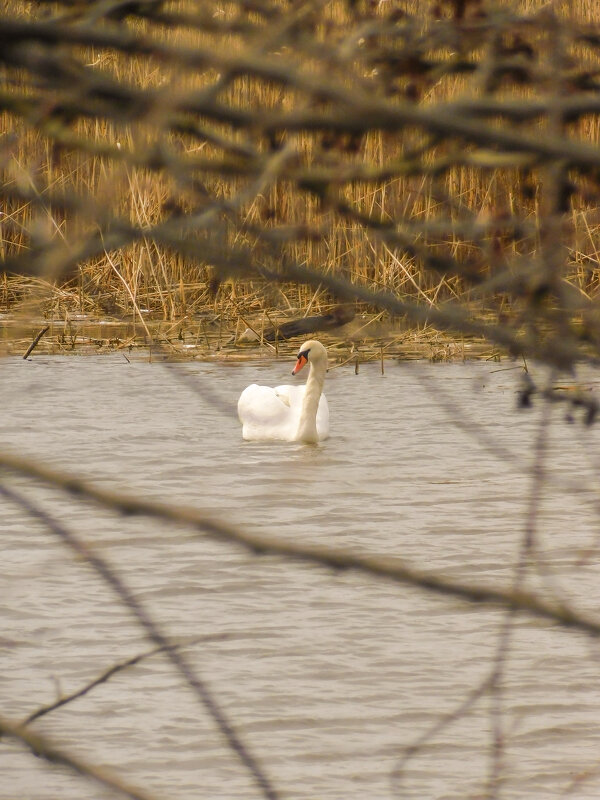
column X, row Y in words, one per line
column 304, row 354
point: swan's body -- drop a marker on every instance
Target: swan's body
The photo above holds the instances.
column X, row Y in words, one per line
column 289, row 413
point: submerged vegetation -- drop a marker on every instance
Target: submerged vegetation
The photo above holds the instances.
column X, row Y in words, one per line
column 189, row 173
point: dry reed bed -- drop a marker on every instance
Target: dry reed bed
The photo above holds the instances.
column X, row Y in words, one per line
column 170, row 160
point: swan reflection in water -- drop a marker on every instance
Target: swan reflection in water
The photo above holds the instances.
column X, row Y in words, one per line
column 289, row 413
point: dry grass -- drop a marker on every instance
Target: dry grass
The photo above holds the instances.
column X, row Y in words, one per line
column 461, row 211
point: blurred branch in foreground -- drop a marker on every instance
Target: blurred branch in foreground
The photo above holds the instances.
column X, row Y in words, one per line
column 389, row 568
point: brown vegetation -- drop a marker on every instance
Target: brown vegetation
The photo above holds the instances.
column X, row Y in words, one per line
column 190, row 171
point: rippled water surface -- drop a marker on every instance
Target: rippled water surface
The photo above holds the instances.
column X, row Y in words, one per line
column 326, row 676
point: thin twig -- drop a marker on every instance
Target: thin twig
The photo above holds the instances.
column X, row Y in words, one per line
column 34, row 343
column 113, row 670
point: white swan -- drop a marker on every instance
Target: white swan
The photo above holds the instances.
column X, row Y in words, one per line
column 289, row 413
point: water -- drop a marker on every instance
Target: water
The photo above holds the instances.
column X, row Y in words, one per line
column 326, row 676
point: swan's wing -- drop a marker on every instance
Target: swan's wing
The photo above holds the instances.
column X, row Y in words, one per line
column 263, row 413
column 261, row 403
column 292, row 396
column 283, row 396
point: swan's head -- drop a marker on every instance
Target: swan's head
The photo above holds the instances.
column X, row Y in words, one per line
column 313, row 352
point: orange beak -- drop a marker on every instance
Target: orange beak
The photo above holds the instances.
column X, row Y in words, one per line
column 302, row 360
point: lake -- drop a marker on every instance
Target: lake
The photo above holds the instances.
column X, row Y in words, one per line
column 326, row 676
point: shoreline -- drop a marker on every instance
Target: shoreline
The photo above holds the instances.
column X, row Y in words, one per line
column 212, row 337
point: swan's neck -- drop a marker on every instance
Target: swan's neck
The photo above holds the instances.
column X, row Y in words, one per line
column 307, row 428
